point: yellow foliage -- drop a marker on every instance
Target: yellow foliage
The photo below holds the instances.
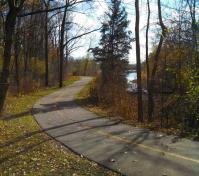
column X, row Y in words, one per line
column 38, row 66
column 32, row 2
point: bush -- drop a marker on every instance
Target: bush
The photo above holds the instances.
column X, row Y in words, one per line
column 115, row 98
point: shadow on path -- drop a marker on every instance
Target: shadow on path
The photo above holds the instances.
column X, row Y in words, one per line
column 27, row 135
column 44, row 109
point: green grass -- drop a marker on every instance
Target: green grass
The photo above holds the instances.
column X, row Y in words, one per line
column 26, row 150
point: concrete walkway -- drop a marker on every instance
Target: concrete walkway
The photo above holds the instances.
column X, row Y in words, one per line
column 129, row 150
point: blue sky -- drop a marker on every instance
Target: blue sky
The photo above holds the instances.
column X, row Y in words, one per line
column 92, row 17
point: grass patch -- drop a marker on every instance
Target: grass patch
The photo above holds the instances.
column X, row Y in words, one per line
column 26, row 150
column 71, row 80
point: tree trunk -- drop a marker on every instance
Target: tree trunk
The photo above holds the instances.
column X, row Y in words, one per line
column 46, row 47
column 139, row 82
column 16, row 58
column 147, row 54
column 61, row 51
column 156, row 59
column 9, row 30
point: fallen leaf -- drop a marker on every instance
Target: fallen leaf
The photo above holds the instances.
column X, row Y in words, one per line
column 112, row 160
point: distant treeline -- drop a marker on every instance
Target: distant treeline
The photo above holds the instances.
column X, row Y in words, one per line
column 83, row 67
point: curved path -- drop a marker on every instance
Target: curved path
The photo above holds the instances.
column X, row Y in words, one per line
column 129, row 150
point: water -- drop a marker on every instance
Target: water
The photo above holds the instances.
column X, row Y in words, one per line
column 132, row 76
column 132, row 83
column 132, row 86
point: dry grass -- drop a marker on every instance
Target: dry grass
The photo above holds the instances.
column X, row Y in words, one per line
column 125, row 109
column 124, row 106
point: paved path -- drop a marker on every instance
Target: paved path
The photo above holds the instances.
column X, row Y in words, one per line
column 129, row 150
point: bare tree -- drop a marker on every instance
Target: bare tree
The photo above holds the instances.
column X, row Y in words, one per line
column 46, row 42
column 65, row 40
column 139, row 83
column 155, row 65
column 192, row 11
column 16, row 56
column 147, row 43
column 13, row 11
column 61, row 45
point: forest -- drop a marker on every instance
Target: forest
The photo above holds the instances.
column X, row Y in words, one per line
column 167, row 80
column 48, row 46
column 34, row 52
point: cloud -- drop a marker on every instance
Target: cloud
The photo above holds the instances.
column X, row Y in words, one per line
column 93, row 17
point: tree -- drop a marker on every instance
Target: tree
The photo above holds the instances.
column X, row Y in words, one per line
column 36, row 40
column 114, row 45
column 64, row 39
column 46, row 42
column 147, row 43
column 13, row 10
column 61, row 45
column 16, row 55
column 155, row 65
column 193, row 92
column 139, row 83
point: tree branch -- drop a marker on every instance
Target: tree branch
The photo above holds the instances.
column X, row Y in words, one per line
column 81, row 35
column 53, row 9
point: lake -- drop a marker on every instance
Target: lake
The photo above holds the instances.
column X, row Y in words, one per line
column 132, row 86
column 132, row 76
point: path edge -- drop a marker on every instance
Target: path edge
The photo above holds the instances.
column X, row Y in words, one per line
column 61, row 143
